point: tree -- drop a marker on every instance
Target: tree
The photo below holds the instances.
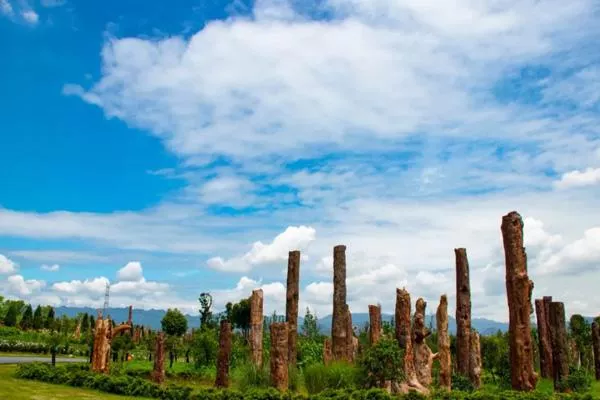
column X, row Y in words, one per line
column 383, row 362
column 38, row 320
column 206, row 302
column 92, row 323
column 27, row 319
column 85, row 323
column 581, row 331
column 239, row 315
column 49, row 323
column 310, row 326
column 174, row 323
column 12, row 315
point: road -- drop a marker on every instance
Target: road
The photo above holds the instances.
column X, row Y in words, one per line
column 21, row 359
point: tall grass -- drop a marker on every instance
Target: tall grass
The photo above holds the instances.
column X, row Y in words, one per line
column 318, row 377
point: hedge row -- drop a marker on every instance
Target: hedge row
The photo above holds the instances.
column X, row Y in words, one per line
column 12, row 346
column 79, row 376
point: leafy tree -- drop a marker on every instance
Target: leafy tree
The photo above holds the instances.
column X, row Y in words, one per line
column 581, row 331
column 174, row 323
column 38, row 320
column 49, row 322
column 206, row 302
column 204, row 347
column 12, row 315
column 54, row 341
column 310, row 326
column 27, row 319
column 495, row 357
column 382, row 362
column 239, row 315
column 92, row 323
column 85, row 325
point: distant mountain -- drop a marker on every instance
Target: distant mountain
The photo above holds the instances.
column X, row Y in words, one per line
column 153, row 317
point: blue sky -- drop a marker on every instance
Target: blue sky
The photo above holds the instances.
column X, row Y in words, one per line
column 171, row 149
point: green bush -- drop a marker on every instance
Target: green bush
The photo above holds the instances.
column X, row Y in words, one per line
column 462, row 383
column 318, row 377
column 248, row 376
column 578, row 381
column 204, row 348
column 382, row 362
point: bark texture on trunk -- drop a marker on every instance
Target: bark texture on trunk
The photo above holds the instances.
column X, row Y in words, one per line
column 596, row 348
column 444, row 344
column 327, row 352
column 256, row 327
column 279, row 355
column 560, row 351
column 544, row 339
column 222, row 380
column 374, row 323
column 130, row 316
column 404, row 337
column 158, row 372
column 423, row 356
column 339, row 325
column 291, row 304
column 475, row 361
column 102, row 341
column 518, row 290
column 463, row 311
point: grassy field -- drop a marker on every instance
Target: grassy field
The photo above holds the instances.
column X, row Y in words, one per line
column 18, row 389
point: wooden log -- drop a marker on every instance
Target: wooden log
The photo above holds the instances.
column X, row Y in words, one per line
column 256, row 327
column 291, row 305
column 222, row 380
column 444, row 344
column 279, row 356
column 560, row 351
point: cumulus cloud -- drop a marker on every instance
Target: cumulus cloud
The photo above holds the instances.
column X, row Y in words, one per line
column 50, row 268
column 131, row 272
column 95, row 287
column 293, row 238
column 573, row 179
column 6, row 8
column 18, row 286
column 7, row 266
column 30, row 16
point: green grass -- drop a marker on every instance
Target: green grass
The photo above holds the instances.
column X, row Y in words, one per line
column 20, row 389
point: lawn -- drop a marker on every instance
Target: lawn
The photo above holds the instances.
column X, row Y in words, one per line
column 18, row 389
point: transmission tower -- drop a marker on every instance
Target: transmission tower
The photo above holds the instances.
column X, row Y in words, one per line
column 106, row 298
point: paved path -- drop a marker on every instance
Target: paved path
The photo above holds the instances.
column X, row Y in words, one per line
column 20, row 360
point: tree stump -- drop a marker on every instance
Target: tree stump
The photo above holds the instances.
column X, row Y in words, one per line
column 475, row 360
column 256, row 327
column 374, row 324
column 596, row 348
column 327, row 352
column 349, row 335
column 404, row 337
column 544, row 338
column 463, row 311
column 291, row 304
column 158, row 373
column 279, row 355
column 444, row 344
column 339, row 327
column 423, row 356
column 560, row 351
column 102, row 339
column 130, row 316
column 518, row 290
column 222, row 380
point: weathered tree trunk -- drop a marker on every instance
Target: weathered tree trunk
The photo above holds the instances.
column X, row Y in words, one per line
column 222, row 380
column 102, row 339
column 544, row 339
column 327, row 352
column 463, row 311
column 279, row 355
column 423, row 356
column 349, row 335
column 256, row 327
column 518, row 290
column 404, row 337
column 158, row 372
column 444, row 344
column 374, row 324
column 291, row 305
column 339, row 324
column 475, row 361
column 560, row 351
column 596, row 348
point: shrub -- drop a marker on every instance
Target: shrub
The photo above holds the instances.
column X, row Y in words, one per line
column 249, row 376
column 204, row 348
column 382, row 362
column 462, row 383
column 578, row 381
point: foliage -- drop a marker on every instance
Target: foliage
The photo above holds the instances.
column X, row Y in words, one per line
column 27, row 318
column 581, row 332
column 239, row 315
column 578, row 381
column 462, row 383
column 495, row 358
column 49, row 322
column 206, row 321
column 12, row 314
column 310, row 326
column 249, row 376
column 204, row 348
column 319, row 377
column 38, row 320
column 310, row 351
column 174, row 322
column 382, row 362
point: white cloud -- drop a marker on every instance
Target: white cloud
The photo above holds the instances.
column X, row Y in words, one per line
column 591, row 176
column 6, row 8
column 50, row 268
column 95, row 287
column 30, row 16
column 293, row 238
column 7, row 266
column 18, row 286
column 58, row 256
column 131, row 272
column 53, row 3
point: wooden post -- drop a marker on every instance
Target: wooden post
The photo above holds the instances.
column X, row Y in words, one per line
column 339, row 324
column 544, row 339
column 374, row 323
column 444, row 344
column 291, row 304
column 256, row 327
column 222, row 380
column 158, row 373
column 279, row 355
column 463, row 311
